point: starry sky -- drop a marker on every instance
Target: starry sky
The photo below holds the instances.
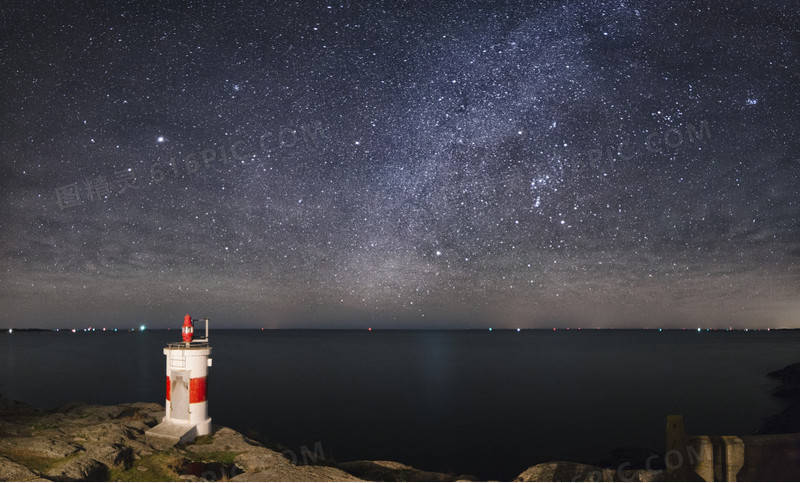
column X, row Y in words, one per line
column 400, row 164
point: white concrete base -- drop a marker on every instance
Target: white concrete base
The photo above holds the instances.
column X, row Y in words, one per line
column 180, row 433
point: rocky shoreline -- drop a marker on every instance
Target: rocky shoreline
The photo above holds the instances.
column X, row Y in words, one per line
column 81, row 442
column 788, row 420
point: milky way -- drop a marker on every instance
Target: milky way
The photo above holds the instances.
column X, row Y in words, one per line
column 456, row 165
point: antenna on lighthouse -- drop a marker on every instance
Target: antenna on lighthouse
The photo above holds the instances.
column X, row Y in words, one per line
column 204, row 319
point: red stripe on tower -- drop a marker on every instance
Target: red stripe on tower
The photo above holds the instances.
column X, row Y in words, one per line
column 168, row 384
column 197, row 390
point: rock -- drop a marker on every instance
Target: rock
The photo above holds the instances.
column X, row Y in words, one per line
column 290, row 472
column 225, row 439
column 107, row 432
column 81, row 468
column 568, row 471
column 562, row 471
column 71, row 406
column 15, row 417
column 788, row 392
column 394, row 471
column 259, row 459
column 9, row 407
column 253, row 457
column 149, row 414
column 191, row 478
column 263, row 464
column 788, row 375
column 787, row 421
column 11, row 471
column 112, row 455
column 47, row 447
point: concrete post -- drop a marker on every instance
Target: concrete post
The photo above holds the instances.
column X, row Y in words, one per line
column 733, row 452
column 702, row 456
column 675, row 457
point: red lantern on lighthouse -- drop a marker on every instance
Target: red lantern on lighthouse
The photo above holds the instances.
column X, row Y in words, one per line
column 188, row 329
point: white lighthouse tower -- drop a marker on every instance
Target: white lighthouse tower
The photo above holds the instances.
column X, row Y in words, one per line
column 186, row 388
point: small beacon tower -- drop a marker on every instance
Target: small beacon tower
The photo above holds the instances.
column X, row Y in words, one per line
column 187, row 373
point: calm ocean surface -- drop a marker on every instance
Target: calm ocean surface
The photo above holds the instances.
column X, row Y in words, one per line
column 484, row 403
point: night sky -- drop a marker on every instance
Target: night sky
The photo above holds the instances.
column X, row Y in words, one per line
column 400, row 164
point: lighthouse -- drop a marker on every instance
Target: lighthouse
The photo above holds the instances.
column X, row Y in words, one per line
column 186, row 387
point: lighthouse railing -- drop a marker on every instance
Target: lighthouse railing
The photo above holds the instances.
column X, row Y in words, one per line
column 195, row 344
